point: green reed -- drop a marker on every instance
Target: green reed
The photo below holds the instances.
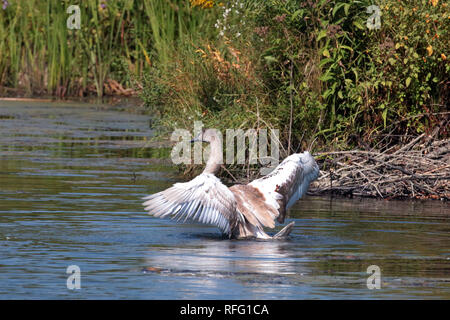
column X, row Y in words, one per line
column 118, row 40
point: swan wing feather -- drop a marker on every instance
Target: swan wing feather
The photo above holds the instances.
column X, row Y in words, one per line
column 204, row 199
column 288, row 182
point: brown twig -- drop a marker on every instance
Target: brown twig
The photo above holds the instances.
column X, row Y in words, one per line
column 418, row 169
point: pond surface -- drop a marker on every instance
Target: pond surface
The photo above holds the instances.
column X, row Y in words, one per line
column 71, row 179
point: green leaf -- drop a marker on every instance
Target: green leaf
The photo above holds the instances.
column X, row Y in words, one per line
column 326, row 53
column 346, row 8
column 290, row 88
column 270, row 59
column 299, row 12
column 346, row 47
column 408, row 81
column 322, row 33
column 355, row 72
column 325, row 61
column 325, row 77
column 384, row 115
column 324, row 23
column 327, row 93
column 337, row 7
column 358, row 25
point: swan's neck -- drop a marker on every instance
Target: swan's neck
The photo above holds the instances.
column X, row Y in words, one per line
column 215, row 159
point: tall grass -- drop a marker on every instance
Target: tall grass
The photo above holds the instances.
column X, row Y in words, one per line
column 118, row 40
column 174, row 23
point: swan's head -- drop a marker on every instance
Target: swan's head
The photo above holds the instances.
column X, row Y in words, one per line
column 207, row 135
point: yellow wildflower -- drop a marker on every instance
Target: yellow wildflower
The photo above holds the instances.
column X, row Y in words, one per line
column 434, row 2
column 208, row 4
column 430, row 50
column 202, row 3
column 443, row 56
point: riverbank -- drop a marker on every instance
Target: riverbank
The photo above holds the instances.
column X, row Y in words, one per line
column 418, row 168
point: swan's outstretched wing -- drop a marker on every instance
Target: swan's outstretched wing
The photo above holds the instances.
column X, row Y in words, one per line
column 288, row 182
column 204, row 199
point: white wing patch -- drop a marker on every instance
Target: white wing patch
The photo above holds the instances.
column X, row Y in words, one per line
column 289, row 181
column 204, row 199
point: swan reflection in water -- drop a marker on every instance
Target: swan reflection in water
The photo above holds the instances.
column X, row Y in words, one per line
column 246, row 260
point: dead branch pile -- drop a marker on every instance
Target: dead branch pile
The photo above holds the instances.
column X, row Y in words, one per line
column 419, row 169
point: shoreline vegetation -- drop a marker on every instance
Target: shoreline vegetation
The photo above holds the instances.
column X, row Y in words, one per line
column 371, row 103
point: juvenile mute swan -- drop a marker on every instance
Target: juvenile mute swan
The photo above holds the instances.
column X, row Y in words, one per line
column 241, row 211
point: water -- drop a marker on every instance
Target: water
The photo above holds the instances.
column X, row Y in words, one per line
column 71, row 179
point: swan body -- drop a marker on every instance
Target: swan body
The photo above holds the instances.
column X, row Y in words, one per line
column 241, row 211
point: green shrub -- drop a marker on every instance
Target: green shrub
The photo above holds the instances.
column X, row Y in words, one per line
column 313, row 69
